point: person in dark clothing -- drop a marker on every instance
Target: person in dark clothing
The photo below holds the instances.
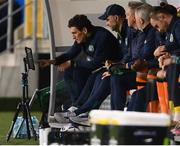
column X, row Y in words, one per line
column 141, row 57
column 155, row 84
column 101, row 91
column 95, row 43
column 115, row 19
column 166, row 22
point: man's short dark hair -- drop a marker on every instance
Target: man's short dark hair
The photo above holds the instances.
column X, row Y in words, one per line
column 80, row 21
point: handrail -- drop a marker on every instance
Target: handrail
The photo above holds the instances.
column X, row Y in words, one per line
column 9, row 46
column 14, row 12
column 9, row 24
column 3, row 5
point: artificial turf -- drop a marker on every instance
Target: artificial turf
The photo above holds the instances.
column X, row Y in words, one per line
column 5, row 122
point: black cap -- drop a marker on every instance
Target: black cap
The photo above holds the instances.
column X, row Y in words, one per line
column 165, row 8
column 113, row 9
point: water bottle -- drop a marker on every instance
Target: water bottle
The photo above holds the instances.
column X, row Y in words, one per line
column 35, row 123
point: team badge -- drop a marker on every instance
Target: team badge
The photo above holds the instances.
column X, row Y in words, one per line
column 166, row 38
column 126, row 41
column 145, row 42
column 171, row 38
column 91, row 48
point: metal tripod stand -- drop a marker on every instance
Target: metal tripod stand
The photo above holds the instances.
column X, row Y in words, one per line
column 23, row 106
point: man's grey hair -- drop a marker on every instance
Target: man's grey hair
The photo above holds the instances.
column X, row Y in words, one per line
column 134, row 4
column 144, row 11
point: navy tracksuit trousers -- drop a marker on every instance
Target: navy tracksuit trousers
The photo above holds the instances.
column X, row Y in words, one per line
column 75, row 80
column 99, row 92
column 120, row 84
column 140, row 98
column 86, row 91
column 138, row 101
column 172, row 76
column 102, row 88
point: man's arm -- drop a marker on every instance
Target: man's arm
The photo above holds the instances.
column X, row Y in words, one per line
column 46, row 62
column 70, row 54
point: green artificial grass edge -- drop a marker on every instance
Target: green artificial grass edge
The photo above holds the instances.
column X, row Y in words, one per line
column 5, row 122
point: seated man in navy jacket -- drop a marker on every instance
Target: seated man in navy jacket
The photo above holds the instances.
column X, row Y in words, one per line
column 140, row 59
column 114, row 16
column 95, row 43
column 96, row 91
column 167, row 22
column 115, row 20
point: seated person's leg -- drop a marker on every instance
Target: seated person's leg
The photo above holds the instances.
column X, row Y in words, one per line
column 75, row 79
column 86, row 91
column 101, row 89
column 172, row 76
column 131, row 102
column 97, row 96
column 119, row 85
column 138, row 101
column 151, row 92
column 173, row 72
column 97, row 82
column 168, row 76
column 141, row 102
column 144, row 94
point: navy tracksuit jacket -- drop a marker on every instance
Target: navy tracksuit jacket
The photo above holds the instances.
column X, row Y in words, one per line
column 142, row 46
column 100, row 46
column 171, row 39
column 172, row 44
column 92, row 99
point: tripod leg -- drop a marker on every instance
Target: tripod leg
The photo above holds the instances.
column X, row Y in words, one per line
column 30, row 121
column 13, row 122
column 25, row 116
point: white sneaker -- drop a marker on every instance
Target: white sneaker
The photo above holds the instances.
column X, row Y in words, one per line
column 60, row 118
column 65, row 114
column 72, row 108
column 83, row 121
column 84, row 115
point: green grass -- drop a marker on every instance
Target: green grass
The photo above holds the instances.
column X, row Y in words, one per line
column 5, row 122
